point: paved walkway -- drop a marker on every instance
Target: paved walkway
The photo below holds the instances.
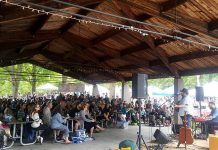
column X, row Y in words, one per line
column 108, row 139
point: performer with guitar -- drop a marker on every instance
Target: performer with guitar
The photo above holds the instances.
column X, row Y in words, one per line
column 185, row 105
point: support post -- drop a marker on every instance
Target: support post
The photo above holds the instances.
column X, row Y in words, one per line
column 95, row 91
column 178, row 85
column 123, row 84
column 112, row 90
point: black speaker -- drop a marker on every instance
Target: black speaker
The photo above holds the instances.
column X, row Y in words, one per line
column 160, row 137
column 199, row 93
column 139, row 85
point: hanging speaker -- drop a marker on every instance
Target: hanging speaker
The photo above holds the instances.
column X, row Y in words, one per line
column 139, row 85
column 199, row 93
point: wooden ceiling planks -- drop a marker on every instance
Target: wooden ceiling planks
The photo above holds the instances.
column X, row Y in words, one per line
column 116, row 50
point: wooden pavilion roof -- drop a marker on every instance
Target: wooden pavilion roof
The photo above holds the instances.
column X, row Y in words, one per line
column 95, row 53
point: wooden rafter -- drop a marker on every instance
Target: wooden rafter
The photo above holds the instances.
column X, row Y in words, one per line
column 27, row 36
column 156, row 51
column 39, row 24
column 72, row 22
column 5, row 63
column 8, row 12
column 213, row 25
column 143, row 46
column 62, row 70
column 199, row 71
column 185, row 57
column 160, row 53
column 22, row 53
column 184, row 21
column 76, row 40
column 170, row 4
column 59, row 59
column 113, row 32
column 16, row 40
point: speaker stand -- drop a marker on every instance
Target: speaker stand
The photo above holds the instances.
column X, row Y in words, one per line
column 140, row 137
column 200, row 108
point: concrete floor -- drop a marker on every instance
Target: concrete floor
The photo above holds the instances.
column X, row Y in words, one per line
column 108, row 139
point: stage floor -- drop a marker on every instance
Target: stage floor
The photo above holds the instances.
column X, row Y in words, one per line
column 110, row 139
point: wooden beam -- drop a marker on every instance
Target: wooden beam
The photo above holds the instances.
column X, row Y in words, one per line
column 199, row 71
column 72, row 22
column 58, row 59
column 159, row 52
column 170, row 4
column 82, row 42
column 19, row 36
column 14, row 13
column 213, row 25
column 17, row 55
column 70, row 38
column 143, row 46
column 106, row 36
column 126, row 10
column 16, row 40
column 69, row 73
column 182, row 20
column 185, row 57
column 5, row 63
column 39, row 24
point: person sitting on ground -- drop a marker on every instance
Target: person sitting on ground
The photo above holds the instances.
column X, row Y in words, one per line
column 57, row 122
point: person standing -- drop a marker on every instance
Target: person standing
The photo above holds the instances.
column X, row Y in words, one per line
column 185, row 105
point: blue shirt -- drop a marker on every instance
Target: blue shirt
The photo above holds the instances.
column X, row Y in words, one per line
column 57, row 121
column 214, row 114
column 124, row 110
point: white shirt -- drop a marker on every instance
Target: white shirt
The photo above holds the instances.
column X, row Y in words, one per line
column 189, row 108
column 36, row 120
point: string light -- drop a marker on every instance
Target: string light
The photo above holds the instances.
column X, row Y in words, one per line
column 96, row 21
column 143, row 32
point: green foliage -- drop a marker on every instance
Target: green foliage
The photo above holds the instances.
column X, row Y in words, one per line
column 44, row 76
column 161, row 83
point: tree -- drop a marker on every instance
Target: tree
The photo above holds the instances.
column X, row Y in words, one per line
column 14, row 72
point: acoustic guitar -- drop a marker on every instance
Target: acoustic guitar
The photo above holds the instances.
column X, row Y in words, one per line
column 185, row 134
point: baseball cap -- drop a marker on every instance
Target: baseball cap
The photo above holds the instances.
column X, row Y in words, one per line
column 184, row 90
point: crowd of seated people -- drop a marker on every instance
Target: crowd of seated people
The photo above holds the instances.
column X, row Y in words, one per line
column 88, row 112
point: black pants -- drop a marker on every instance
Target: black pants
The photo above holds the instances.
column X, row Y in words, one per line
column 89, row 125
column 208, row 126
column 46, row 130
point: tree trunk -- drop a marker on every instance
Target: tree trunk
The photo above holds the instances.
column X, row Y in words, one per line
column 210, row 78
column 15, row 78
column 33, row 79
column 64, row 79
column 201, row 78
column 63, row 83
